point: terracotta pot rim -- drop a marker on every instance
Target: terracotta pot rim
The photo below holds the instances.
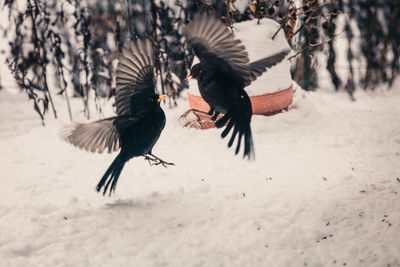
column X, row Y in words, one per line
column 267, row 104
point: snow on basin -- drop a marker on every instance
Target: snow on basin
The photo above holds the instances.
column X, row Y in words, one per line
column 259, row 44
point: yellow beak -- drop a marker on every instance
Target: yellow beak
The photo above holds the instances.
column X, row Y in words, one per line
column 162, row 97
column 188, row 78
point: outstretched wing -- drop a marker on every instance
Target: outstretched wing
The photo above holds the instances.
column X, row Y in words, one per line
column 211, row 39
column 135, row 74
column 213, row 42
column 94, row 137
column 260, row 66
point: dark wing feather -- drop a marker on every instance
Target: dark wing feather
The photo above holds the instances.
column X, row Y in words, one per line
column 135, row 73
column 239, row 118
column 260, row 66
column 210, row 38
column 94, row 137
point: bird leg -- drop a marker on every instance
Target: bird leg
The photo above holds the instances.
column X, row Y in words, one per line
column 215, row 116
column 194, row 117
column 192, row 124
column 160, row 161
column 184, row 115
column 149, row 160
column 191, row 119
column 156, row 160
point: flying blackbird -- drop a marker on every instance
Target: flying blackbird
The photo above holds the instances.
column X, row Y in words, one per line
column 223, row 72
column 139, row 120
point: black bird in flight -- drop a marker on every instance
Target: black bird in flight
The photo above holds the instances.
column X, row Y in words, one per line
column 223, row 73
column 139, row 121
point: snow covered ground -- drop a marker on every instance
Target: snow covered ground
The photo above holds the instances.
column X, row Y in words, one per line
column 324, row 190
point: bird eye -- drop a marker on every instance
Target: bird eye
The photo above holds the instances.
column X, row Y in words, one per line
column 150, row 99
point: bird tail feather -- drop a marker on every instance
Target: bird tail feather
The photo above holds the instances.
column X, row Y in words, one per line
column 111, row 175
column 239, row 121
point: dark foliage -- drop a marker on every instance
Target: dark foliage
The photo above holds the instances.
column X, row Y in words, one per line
column 74, row 49
column 29, row 67
column 379, row 38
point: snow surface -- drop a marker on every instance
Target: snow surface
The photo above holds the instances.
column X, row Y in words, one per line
column 323, row 190
column 259, row 44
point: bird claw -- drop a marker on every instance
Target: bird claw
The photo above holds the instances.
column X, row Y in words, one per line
column 157, row 161
column 193, row 124
column 190, row 119
column 163, row 163
column 149, row 160
column 189, row 115
column 186, row 114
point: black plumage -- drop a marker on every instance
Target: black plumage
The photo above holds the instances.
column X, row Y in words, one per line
column 139, row 121
column 223, row 73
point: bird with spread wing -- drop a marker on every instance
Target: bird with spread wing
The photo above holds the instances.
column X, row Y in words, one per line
column 139, row 121
column 223, row 73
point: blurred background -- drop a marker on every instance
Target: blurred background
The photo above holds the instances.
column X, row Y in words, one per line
column 70, row 47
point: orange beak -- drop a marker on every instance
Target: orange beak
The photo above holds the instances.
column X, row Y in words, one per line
column 162, row 97
column 188, row 78
column 253, row 8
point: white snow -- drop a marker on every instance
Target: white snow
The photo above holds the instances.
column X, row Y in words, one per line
column 241, row 5
column 321, row 191
column 259, row 44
